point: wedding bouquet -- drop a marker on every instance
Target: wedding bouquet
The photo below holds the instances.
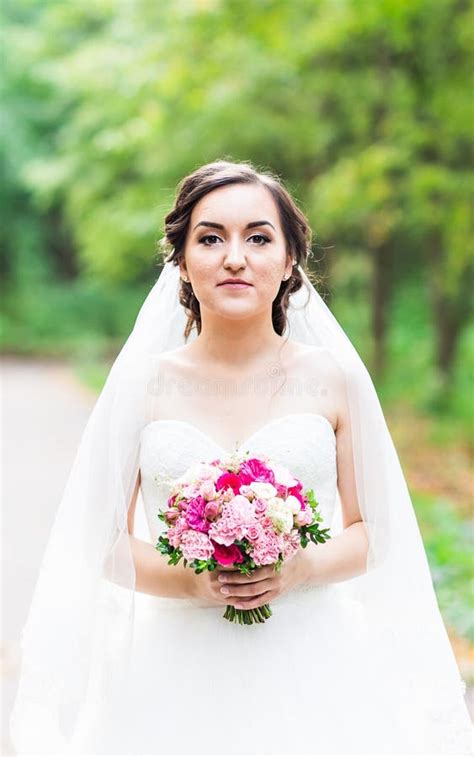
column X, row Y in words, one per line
column 239, row 511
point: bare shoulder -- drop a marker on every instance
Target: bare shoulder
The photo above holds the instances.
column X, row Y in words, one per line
column 326, row 380
column 319, row 361
column 177, row 361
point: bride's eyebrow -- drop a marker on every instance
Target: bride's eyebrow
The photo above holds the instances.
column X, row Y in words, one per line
column 250, row 225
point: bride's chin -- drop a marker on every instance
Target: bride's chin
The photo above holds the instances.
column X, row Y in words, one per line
column 234, row 313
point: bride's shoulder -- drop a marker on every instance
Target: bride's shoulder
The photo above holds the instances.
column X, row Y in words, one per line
column 173, row 356
column 318, row 359
column 173, row 361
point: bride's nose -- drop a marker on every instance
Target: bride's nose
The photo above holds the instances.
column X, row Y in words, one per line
column 235, row 255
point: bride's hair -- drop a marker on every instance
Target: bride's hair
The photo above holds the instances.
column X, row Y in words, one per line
column 221, row 173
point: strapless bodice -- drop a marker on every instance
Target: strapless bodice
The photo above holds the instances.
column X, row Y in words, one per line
column 304, row 442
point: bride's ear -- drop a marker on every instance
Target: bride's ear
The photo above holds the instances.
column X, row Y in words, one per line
column 182, row 270
column 288, row 268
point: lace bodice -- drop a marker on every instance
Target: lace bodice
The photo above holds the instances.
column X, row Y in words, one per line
column 303, row 442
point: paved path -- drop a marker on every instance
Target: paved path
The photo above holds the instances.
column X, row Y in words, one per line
column 44, row 411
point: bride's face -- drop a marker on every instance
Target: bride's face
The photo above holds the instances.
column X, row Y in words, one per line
column 235, row 233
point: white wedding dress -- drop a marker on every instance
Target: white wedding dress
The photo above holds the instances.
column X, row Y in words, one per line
column 303, row 682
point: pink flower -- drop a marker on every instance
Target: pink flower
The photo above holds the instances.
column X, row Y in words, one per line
column 172, row 514
column 255, row 470
column 195, row 516
column 260, row 506
column 292, row 542
column 241, row 509
column 237, row 516
column 196, row 546
column 229, row 479
column 266, row 551
column 289, row 551
column 225, row 530
column 227, row 555
column 304, row 517
column 212, row 509
column 207, row 490
column 254, row 532
column 267, row 523
column 176, row 532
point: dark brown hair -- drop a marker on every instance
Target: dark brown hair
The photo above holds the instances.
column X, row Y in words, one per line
column 221, row 173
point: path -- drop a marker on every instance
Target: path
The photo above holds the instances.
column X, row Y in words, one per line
column 44, row 411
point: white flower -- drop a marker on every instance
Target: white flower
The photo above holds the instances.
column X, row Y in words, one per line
column 209, row 472
column 191, row 490
column 246, row 491
column 280, row 514
column 282, row 475
column 207, row 490
column 189, row 475
column 294, row 504
column 230, row 461
column 263, row 489
column 199, row 471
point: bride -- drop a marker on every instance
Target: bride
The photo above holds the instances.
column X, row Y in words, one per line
column 232, row 351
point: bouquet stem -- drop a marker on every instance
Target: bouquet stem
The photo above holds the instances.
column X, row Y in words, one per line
column 247, row 617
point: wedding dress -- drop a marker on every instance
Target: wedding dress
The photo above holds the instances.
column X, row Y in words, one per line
column 303, row 682
column 362, row 666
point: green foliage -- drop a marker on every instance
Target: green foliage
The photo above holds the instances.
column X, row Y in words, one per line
column 364, row 108
column 361, row 106
column 84, row 319
column 411, row 379
column 313, row 531
column 449, row 542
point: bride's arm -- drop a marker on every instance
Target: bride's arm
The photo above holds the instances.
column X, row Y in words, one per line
column 153, row 574
column 345, row 555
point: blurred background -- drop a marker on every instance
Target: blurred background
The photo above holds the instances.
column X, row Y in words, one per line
column 363, row 107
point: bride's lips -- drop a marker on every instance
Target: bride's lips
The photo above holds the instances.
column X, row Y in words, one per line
column 235, row 284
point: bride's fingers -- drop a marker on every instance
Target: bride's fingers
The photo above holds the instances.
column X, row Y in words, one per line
column 236, row 577
column 247, row 590
column 251, row 604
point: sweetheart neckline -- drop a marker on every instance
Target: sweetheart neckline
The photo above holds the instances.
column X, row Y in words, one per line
column 271, row 422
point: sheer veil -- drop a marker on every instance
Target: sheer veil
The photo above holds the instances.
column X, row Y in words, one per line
column 77, row 638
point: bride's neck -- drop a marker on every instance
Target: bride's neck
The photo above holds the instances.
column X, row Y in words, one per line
column 236, row 343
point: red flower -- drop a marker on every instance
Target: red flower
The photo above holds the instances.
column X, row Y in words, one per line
column 229, row 479
column 227, row 555
column 297, row 491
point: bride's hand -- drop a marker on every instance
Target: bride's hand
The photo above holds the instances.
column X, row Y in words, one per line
column 264, row 585
column 206, row 586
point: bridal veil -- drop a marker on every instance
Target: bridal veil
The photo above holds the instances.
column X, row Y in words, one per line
column 77, row 638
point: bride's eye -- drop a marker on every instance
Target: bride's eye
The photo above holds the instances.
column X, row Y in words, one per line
column 206, row 237
column 261, row 236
